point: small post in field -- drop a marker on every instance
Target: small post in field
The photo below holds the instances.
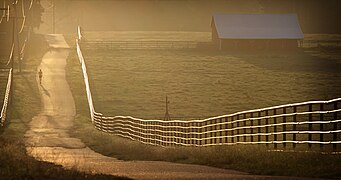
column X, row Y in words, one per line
column 167, row 117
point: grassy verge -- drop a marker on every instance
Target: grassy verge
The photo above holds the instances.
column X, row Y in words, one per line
column 26, row 100
column 247, row 158
column 15, row 164
column 252, row 159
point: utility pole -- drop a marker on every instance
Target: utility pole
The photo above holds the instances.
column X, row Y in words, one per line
column 12, row 56
column 13, row 36
column 15, row 29
column 53, row 18
column 15, row 20
column 167, row 117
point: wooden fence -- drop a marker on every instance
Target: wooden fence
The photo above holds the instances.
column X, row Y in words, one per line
column 3, row 113
column 139, row 44
column 315, row 124
column 320, row 43
column 21, row 47
column 312, row 123
column 86, row 44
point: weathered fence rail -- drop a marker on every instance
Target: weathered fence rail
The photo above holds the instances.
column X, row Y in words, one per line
column 96, row 44
column 3, row 113
column 320, row 43
column 316, row 124
column 139, row 44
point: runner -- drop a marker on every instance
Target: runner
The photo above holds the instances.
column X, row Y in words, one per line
column 40, row 75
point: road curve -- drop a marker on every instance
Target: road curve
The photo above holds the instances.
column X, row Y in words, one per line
column 48, row 137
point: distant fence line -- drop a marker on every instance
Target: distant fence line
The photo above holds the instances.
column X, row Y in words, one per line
column 173, row 44
column 139, row 44
column 3, row 113
column 310, row 123
column 320, row 43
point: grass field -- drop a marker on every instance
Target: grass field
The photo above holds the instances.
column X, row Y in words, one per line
column 202, row 84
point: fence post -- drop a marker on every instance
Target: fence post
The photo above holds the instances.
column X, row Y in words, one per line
column 259, row 129
column 284, row 128
column 267, row 128
column 294, row 128
column 244, row 126
column 275, row 130
column 101, row 123
column 321, row 126
column 238, row 129
column 310, row 127
column 172, row 129
column 335, row 127
column 221, row 140
column 251, row 116
column 232, row 130
column 159, row 133
column 149, row 132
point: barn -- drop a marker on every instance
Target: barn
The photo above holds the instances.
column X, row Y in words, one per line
column 256, row 31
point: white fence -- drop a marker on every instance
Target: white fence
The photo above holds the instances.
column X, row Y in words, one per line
column 3, row 113
column 140, row 44
column 19, row 24
column 310, row 123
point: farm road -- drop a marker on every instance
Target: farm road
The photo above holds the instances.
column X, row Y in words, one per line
column 48, row 138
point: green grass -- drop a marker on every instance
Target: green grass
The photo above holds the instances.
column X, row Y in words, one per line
column 205, row 84
column 15, row 163
column 202, row 84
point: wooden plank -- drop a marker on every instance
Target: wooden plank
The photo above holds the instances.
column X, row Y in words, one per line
column 310, row 126
column 140, row 44
column 275, row 129
column 284, row 127
column 294, row 127
column 267, row 128
column 335, row 126
column 321, row 126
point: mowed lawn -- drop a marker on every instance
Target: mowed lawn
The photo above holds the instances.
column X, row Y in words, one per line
column 202, row 84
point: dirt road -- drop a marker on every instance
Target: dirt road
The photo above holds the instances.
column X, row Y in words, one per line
column 48, row 138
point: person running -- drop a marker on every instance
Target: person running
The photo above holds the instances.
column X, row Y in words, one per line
column 40, row 75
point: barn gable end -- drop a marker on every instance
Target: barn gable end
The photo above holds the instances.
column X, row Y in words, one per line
column 256, row 31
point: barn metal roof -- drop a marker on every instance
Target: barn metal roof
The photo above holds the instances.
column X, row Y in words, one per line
column 257, row 26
